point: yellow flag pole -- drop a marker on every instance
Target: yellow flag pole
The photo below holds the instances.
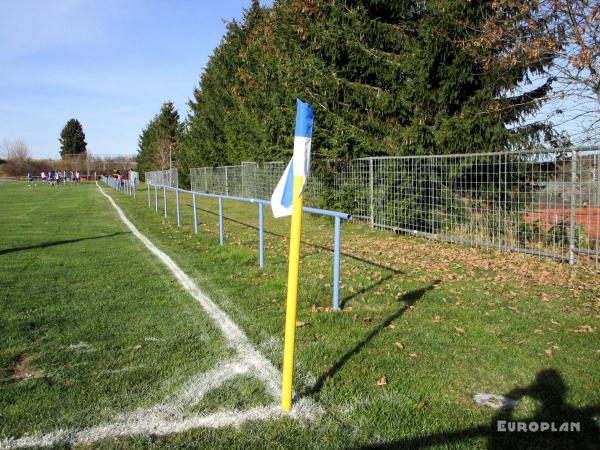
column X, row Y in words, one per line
column 292, row 296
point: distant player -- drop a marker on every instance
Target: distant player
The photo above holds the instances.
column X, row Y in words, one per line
column 29, row 179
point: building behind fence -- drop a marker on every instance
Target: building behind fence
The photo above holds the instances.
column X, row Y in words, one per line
column 541, row 202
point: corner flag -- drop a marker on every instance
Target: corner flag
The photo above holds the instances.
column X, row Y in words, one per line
column 287, row 200
column 299, row 166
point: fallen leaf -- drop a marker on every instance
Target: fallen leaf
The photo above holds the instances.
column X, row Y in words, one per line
column 367, row 320
column 400, row 345
column 391, row 326
column 137, row 347
column 584, row 329
column 436, row 319
column 421, row 406
column 382, row 381
column 313, row 308
column 459, row 330
column 301, row 324
column 555, row 322
column 412, row 355
column 548, row 352
column 538, row 331
column 317, row 335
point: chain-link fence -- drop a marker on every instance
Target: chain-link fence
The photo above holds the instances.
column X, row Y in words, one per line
column 541, row 202
column 169, row 177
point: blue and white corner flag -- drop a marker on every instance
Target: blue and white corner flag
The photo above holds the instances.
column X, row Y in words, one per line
column 281, row 200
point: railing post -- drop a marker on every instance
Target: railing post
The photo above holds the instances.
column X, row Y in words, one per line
column 372, row 213
column 177, row 206
column 336, row 265
column 261, row 243
column 220, row 220
column 195, row 213
column 572, row 221
column 165, row 200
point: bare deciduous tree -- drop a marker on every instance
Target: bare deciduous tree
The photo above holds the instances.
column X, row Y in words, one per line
column 562, row 40
column 17, row 152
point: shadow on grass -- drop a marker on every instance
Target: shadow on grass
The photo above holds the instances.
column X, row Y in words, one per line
column 321, row 247
column 409, row 299
column 363, row 290
column 580, row 430
column 54, row 243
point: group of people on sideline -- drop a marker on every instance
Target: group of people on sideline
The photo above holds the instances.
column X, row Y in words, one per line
column 132, row 177
column 56, row 178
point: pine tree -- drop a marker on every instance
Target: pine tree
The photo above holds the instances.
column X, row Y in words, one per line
column 72, row 139
column 158, row 145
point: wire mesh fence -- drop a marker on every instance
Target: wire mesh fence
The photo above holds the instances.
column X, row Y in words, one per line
column 169, row 177
column 541, row 202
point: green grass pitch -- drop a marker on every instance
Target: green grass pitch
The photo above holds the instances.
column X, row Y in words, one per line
column 93, row 326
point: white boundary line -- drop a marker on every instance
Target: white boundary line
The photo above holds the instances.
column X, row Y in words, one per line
column 170, row 416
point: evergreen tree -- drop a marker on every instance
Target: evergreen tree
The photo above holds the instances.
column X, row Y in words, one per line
column 72, row 139
column 158, row 145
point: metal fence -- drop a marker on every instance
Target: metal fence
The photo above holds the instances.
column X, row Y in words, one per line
column 541, row 202
column 169, row 177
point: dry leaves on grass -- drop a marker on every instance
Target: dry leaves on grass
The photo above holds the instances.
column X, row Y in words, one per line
column 316, row 309
column 400, row 345
column 382, row 381
column 421, row 406
column 459, row 330
column 300, row 324
column 137, row 347
column 583, row 329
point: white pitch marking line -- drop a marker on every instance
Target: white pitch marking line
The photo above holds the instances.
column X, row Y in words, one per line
column 170, row 416
column 234, row 335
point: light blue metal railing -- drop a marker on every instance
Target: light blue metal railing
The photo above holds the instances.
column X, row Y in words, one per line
column 128, row 189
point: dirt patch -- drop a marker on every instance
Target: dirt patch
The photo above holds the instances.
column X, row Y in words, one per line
column 23, row 368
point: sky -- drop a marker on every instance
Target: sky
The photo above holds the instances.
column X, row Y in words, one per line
column 109, row 63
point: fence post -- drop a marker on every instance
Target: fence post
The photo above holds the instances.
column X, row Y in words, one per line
column 177, row 206
column 572, row 221
column 195, row 213
column 372, row 213
column 148, row 187
column 206, row 179
column 165, row 200
column 261, row 243
column 220, row 220
column 336, row 265
column 156, row 198
column 226, row 182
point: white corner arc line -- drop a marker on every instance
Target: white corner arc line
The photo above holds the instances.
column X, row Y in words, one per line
column 233, row 334
column 170, row 417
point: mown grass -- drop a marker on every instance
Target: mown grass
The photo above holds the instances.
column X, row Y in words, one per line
column 439, row 322
column 90, row 325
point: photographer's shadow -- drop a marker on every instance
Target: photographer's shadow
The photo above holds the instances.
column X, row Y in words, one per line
column 579, row 429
